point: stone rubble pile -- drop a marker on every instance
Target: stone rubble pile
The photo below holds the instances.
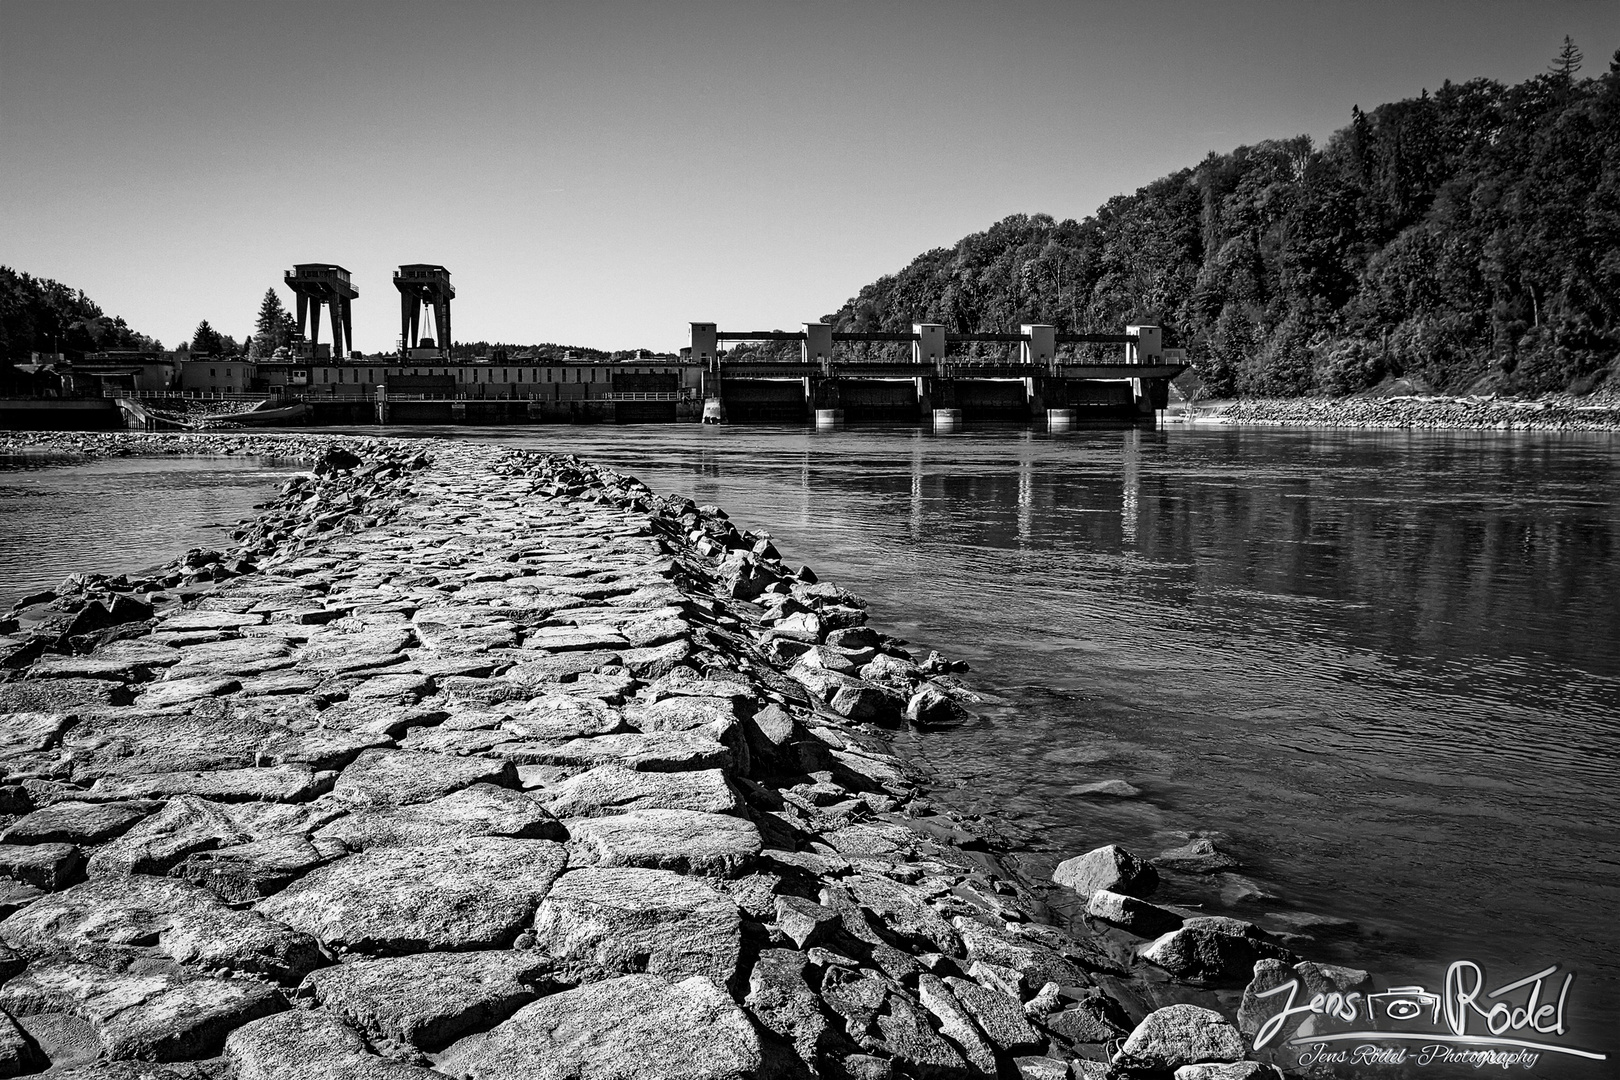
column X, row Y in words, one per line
column 473, row 763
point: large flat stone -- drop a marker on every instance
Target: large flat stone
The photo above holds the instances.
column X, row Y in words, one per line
column 613, row 789
column 479, row 810
column 44, row 866
column 663, row 751
column 158, row 843
column 400, row 777
column 76, row 822
column 309, row 1045
column 1178, row 1035
column 599, row 922
column 248, row 872
column 276, row 783
column 119, row 920
column 207, row 735
column 637, row 1027
column 58, row 696
column 322, row 748
column 683, row 713
column 559, row 716
column 161, row 1014
column 429, row 999
column 186, row 621
column 169, row 693
column 682, row 840
column 459, row 894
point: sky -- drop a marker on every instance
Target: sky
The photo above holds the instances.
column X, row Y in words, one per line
column 604, row 173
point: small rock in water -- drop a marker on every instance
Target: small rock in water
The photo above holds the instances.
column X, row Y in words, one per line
column 1112, row 868
column 1108, row 789
column 1199, row 857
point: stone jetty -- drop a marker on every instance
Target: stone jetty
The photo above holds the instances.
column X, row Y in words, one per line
column 470, row 762
column 1596, row 412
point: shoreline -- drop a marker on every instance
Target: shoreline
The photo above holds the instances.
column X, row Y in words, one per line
column 1426, row 413
column 859, row 859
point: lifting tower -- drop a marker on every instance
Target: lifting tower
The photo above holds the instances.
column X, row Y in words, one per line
column 424, row 284
column 323, row 283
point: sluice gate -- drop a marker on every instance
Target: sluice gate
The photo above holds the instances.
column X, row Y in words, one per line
column 1133, row 390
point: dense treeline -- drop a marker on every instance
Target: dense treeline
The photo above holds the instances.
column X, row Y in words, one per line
column 1465, row 239
column 40, row 315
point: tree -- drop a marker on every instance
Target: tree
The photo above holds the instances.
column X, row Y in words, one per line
column 205, row 339
column 274, row 327
column 1567, row 62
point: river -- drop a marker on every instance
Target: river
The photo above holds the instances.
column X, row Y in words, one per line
column 1380, row 667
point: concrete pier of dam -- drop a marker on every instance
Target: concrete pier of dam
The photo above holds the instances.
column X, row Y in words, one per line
column 470, row 762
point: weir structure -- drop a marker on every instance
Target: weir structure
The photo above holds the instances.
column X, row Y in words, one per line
column 316, row 284
column 424, row 285
column 931, row 385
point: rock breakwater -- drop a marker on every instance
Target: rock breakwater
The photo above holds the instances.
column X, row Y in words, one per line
column 467, row 762
column 1476, row 413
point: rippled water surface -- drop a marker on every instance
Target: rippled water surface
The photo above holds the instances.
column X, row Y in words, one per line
column 119, row 515
column 1383, row 667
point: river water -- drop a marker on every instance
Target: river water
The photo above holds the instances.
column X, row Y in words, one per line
column 1382, row 668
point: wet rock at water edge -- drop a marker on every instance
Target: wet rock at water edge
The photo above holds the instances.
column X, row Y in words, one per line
column 1180, row 1035
column 1112, row 868
column 1204, row 957
column 1137, row 916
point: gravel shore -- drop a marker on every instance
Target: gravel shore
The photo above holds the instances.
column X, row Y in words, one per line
column 1596, row 413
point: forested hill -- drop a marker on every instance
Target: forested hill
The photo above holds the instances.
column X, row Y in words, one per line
column 1468, row 239
column 41, row 315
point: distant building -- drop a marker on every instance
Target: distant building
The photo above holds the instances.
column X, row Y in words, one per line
column 217, row 375
column 126, row 370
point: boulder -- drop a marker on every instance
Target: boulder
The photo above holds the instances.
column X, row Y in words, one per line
column 158, row 843
column 603, row 921
column 1178, row 1035
column 613, row 789
column 955, row 1023
column 459, row 894
column 1137, row 916
column 275, row 783
column 310, row 1045
column 905, row 914
column 1204, row 957
column 1112, row 868
column 998, row 1015
column 429, row 999
column 559, row 716
column 161, row 1013
column 682, row 840
column 637, row 1027
column 244, row 873
column 660, row 751
column 932, row 707
column 780, row 999
column 115, row 921
column 476, row 810
column 75, row 822
column 400, row 777
column 44, row 866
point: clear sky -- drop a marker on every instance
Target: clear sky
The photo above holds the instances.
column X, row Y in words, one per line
column 603, row 173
